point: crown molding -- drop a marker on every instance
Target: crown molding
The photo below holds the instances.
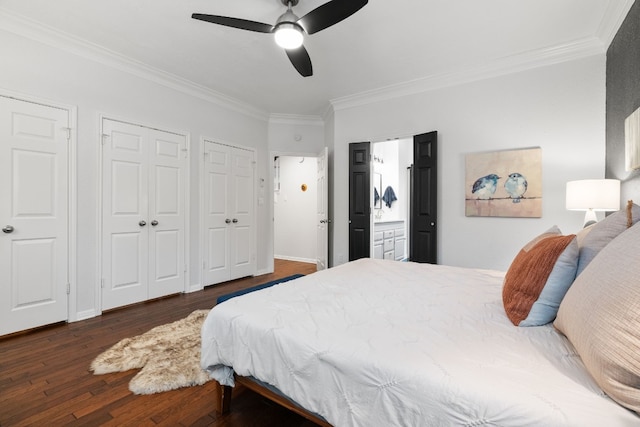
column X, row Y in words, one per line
column 612, row 20
column 29, row 29
column 328, row 113
column 528, row 60
column 295, row 119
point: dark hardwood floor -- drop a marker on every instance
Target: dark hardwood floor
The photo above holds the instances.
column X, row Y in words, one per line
column 45, row 378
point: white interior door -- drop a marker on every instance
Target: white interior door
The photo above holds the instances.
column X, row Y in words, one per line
column 322, row 211
column 34, row 199
column 217, row 171
column 143, row 213
column 166, row 228
column 241, row 200
column 229, row 185
column 125, row 190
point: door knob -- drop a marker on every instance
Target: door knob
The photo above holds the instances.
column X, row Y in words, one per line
column 8, row 229
column 227, row 221
column 142, row 223
column 154, row 222
column 235, row 221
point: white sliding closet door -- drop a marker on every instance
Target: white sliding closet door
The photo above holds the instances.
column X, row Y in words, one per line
column 229, row 188
column 34, row 213
column 143, row 213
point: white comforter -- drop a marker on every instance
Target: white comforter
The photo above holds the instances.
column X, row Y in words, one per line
column 385, row 343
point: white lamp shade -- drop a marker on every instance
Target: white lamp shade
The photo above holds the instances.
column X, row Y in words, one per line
column 594, row 195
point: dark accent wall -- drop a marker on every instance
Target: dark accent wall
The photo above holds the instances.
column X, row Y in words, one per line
column 623, row 98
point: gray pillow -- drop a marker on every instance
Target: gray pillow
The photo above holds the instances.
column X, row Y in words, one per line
column 603, row 232
column 600, row 315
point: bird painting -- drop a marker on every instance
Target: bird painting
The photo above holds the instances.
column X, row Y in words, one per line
column 484, row 188
column 515, row 186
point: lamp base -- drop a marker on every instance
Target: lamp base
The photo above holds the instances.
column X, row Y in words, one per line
column 589, row 218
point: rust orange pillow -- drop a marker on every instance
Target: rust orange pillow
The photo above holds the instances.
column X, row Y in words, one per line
column 539, row 277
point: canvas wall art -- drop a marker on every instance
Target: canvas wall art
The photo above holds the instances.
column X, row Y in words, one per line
column 504, row 183
column 632, row 141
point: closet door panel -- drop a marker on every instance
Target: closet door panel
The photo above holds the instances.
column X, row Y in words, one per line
column 229, row 181
column 167, row 160
column 217, row 228
column 241, row 198
column 124, row 214
column 217, row 169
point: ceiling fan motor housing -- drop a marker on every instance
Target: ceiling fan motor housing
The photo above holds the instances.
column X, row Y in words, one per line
column 287, row 17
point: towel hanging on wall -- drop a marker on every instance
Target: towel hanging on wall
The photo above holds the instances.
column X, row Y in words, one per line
column 389, row 196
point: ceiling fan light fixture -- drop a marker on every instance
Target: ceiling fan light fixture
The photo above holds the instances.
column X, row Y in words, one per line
column 288, row 35
column 289, row 30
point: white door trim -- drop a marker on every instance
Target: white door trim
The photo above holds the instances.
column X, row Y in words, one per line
column 187, row 201
column 72, row 226
column 322, row 245
column 201, row 153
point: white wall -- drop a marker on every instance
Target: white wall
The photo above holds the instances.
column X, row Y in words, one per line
column 560, row 108
column 39, row 70
column 295, row 229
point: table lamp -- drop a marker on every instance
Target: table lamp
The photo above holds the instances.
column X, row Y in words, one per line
column 592, row 195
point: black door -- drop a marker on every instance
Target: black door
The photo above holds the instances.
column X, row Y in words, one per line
column 359, row 200
column 424, row 196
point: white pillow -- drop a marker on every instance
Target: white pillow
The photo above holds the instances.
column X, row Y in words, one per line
column 603, row 232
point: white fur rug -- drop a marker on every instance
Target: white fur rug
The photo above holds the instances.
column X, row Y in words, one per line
column 169, row 356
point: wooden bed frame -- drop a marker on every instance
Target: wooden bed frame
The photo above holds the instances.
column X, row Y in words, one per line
column 223, row 402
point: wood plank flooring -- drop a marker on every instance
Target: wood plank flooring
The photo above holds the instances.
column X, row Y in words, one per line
column 45, row 377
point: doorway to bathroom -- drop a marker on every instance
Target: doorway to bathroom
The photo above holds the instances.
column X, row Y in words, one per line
column 391, row 165
column 393, row 208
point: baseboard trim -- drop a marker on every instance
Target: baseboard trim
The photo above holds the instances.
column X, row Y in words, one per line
column 291, row 258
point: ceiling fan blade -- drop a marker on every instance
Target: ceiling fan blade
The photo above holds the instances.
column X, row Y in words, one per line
column 242, row 24
column 329, row 14
column 300, row 60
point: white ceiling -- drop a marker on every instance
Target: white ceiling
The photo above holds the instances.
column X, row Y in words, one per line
column 385, row 45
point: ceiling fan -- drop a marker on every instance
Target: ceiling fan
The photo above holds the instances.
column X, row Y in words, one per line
column 288, row 29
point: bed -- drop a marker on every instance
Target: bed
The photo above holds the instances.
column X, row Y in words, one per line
column 386, row 343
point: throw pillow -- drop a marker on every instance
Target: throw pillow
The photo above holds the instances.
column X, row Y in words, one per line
column 539, row 277
column 600, row 315
column 605, row 231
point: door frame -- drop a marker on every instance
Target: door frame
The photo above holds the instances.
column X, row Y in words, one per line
column 272, row 154
column 411, row 137
column 187, row 199
column 72, row 190
column 201, row 220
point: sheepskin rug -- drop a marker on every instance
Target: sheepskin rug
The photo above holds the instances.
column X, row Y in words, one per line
column 169, row 356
